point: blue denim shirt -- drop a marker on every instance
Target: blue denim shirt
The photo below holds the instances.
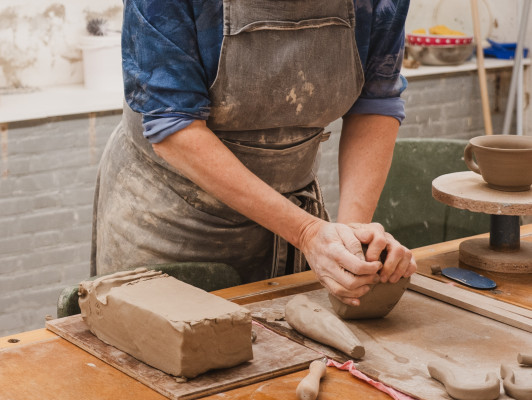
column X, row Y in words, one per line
column 170, row 51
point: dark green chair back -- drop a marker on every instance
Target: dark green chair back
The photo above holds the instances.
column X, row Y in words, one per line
column 407, row 209
column 207, row 276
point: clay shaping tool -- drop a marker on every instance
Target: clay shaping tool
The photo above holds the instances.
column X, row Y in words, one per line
column 309, row 386
column 464, row 389
column 465, row 277
column 512, row 389
column 317, row 323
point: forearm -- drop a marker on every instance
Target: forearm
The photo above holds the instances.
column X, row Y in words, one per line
column 365, row 156
column 199, row 155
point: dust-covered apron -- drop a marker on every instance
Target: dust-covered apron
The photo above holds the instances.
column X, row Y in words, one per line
column 287, row 69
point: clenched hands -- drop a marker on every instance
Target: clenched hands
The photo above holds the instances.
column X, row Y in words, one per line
column 334, row 251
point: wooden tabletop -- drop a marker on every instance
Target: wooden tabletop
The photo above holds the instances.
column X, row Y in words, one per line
column 39, row 364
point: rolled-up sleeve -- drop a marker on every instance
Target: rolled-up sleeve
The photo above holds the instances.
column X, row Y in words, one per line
column 164, row 79
column 381, row 48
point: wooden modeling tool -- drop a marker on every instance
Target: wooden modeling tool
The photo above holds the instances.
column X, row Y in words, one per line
column 462, row 389
column 309, row 386
column 317, row 323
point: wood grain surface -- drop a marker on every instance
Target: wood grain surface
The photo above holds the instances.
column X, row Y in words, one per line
column 273, row 355
column 336, row 385
column 53, row 369
column 419, row 329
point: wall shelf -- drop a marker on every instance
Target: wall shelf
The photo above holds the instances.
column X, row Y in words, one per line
column 471, row 65
column 76, row 99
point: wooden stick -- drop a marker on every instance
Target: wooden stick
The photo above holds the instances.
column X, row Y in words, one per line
column 506, row 313
column 481, row 70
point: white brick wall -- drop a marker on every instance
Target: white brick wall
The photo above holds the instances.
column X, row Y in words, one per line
column 46, row 193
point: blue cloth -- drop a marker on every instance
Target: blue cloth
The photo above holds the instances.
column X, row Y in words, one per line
column 170, row 51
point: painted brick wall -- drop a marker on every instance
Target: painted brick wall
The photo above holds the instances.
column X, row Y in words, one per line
column 48, row 169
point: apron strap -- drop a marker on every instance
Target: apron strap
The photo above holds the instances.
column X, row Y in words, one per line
column 310, row 199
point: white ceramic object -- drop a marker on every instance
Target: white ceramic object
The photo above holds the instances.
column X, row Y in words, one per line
column 102, row 62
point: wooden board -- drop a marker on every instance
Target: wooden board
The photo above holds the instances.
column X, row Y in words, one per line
column 506, row 313
column 418, row 330
column 511, row 288
column 273, row 354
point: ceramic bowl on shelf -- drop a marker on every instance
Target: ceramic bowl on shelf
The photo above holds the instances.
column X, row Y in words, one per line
column 441, row 55
column 437, row 40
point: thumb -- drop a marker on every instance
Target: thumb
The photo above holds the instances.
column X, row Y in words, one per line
column 351, row 242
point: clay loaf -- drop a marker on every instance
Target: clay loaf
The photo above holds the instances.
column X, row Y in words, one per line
column 166, row 323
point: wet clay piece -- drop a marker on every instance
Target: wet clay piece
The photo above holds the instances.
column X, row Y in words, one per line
column 463, row 388
column 504, row 161
column 377, row 303
column 517, row 390
column 166, row 323
column 309, row 386
column 317, row 323
column 525, row 359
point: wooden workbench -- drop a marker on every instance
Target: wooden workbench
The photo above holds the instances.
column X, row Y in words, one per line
column 39, row 364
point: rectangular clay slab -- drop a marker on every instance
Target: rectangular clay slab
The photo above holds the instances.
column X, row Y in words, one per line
column 166, row 323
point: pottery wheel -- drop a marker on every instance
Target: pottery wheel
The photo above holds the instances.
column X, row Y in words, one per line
column 503, row 251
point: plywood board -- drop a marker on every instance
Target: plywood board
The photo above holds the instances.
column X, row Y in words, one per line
column 270, row 359
column 420, row 329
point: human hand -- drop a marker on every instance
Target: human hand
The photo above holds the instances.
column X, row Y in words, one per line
column 399, row 260
column 335, row 255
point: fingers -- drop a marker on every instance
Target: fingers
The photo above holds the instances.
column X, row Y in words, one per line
column 374, row 236
column 350, row 241
column 349, row 297
column 399, row 261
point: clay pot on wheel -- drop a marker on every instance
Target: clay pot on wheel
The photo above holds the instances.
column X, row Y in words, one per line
column 504, row 161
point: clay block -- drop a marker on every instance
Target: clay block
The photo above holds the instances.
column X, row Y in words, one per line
column 166, row 323
column 377, row 303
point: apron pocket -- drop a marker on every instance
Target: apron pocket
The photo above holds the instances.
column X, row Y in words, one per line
column 272, row 74
column 291, row 25
column 285, row 170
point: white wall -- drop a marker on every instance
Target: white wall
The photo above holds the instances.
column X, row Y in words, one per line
column 39, row 39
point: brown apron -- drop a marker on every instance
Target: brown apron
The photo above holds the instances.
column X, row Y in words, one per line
column 287, row 69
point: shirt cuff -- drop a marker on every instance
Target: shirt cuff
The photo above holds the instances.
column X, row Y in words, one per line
column 390, row 106
column 158, row 129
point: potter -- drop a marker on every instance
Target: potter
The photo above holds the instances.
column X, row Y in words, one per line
column 504, row 161
column 216, row 157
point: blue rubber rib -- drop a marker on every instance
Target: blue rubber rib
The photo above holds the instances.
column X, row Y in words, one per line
column 468, row 278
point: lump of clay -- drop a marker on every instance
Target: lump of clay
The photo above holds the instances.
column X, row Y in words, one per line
column 517, row 390
column 376, row 303
column 317, row 323
column 166, row 323
column 525, row 359
column 463, row 388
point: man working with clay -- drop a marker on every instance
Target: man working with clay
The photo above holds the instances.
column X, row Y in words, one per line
column 215, row 158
